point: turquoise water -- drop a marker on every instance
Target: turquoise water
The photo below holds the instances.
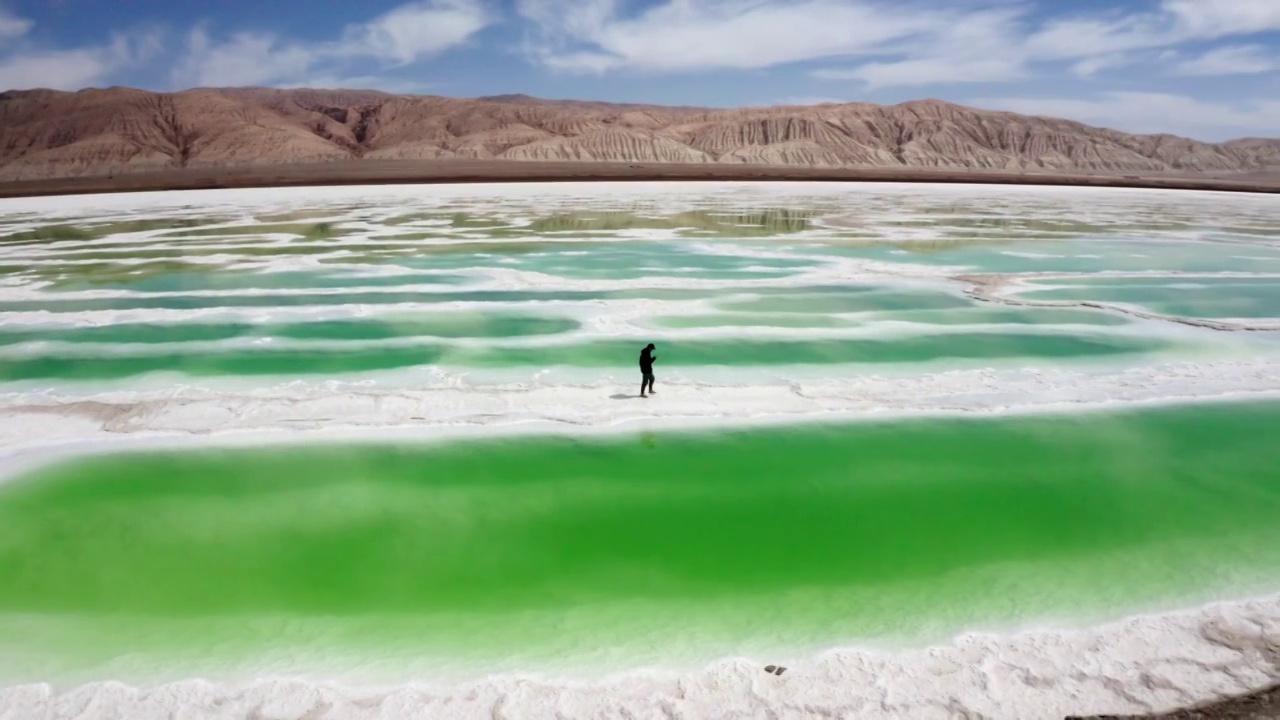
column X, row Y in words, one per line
column 339, row 289
column 330, row 361
column 1197, row 297
column 1071, row 255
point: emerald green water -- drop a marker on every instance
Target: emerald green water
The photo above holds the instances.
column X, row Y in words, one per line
column 653, row 545
column 604, row 353
column 434, row 306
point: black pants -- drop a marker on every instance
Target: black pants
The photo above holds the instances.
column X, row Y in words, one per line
column 646, row 380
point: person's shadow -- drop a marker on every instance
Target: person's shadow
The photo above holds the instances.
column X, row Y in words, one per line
column 621, row 396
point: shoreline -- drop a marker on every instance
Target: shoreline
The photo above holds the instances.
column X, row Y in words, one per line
column 1209, row 661
column 90, row 431
column 402, row 172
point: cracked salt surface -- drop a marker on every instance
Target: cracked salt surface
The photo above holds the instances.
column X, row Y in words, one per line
column 1145, row 663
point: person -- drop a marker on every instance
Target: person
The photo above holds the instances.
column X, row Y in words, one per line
column 646, row 369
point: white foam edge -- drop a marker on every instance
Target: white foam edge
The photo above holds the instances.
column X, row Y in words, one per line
column 1143, row 663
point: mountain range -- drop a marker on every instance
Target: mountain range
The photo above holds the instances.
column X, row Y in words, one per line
column 48, row 134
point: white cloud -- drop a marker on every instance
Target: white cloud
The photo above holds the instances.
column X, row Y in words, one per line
column 73, row 69
column 1231, row 60
column 1092, row 37
column 926, row 71
column 682, row 35
column 46, row 68
column 576, row 62
column 977, row 47
column 244, row 59
column 401, row 36
column 416, row 30
column 1173, row 23
column 1148, row 112
column 586, row 18
column 59, row 70
column 1220, row 18
column 916, row 43
column 1090, row 66
column 12, row 26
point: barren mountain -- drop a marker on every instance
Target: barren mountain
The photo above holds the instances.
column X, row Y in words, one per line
column 48, row 134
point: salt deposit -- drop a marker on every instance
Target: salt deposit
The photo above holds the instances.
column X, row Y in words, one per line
column 681, row 270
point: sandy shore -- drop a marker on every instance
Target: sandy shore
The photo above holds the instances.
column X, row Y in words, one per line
column 363, row 172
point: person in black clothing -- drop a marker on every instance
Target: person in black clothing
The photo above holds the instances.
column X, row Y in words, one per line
column 646, row 369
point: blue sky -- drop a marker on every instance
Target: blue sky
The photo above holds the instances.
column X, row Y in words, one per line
column 1208, row 69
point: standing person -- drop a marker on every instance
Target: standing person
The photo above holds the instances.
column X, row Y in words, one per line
column 646, row 369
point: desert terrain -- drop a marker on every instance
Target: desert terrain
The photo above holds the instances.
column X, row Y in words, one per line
column 114, row 139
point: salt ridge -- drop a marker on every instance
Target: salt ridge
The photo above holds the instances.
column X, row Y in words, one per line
column 867, row 329
column 1142, row 664
column 1145, row 663
column 439, row 404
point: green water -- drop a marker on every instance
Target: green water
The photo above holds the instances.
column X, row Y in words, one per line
column 425, row 560
column 1066, row 255
column 1187, row 297
column 190, row 302
column 193, row 279
column 648, row 546
column 958, row 346
column 1011, row 316
column 441, row 325
column 946, row 317
column 854, row 301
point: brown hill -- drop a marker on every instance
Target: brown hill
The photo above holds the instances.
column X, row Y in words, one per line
column 48, row 134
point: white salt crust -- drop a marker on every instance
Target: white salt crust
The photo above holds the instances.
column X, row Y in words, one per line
column 407, row 405
column 1142, row 664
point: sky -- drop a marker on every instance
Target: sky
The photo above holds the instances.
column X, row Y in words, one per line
column 1208, row 69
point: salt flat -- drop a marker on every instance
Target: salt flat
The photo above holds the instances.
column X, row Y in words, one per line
column 348, row 316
